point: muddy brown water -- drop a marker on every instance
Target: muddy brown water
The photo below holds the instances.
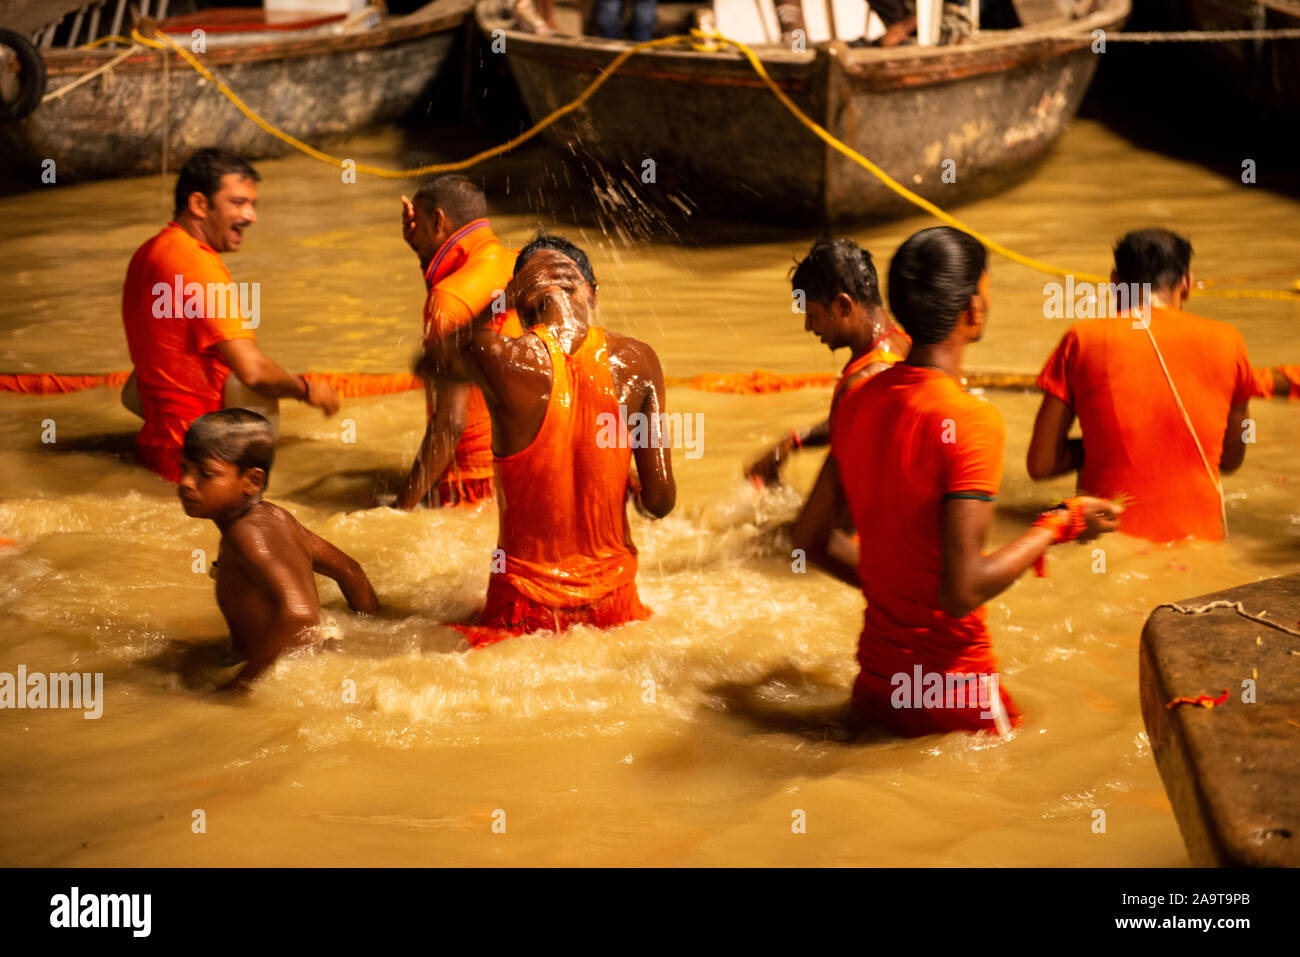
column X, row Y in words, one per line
column 693, row 738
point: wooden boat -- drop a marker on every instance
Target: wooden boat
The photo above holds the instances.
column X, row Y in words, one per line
column 993, row 105
column 316, row 79
column 1266, row 73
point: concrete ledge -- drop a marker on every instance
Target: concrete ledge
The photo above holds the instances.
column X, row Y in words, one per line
column 1231, row 772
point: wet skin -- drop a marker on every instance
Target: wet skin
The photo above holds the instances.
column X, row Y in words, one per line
column 841, row 323
column 515, row 374
column 265, row 571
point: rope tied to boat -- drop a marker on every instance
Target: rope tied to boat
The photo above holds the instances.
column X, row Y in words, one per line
column 161, row 41
column 1236, row 606
column 69, row 87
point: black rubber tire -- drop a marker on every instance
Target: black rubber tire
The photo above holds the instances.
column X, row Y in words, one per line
column 33, row 88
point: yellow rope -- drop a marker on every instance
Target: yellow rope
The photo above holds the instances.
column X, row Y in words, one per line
column 696, row 38
column 111, row 38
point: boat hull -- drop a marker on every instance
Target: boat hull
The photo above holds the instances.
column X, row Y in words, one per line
column 314, row 90
column 1266, row 73
column 719, row 137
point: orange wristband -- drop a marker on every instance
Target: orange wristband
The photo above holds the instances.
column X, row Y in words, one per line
column 1066, row 524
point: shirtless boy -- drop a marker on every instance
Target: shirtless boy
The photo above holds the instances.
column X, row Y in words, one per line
column 265, row 584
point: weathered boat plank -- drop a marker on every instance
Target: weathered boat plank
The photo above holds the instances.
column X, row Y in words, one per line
column 1232, row 772
column 315, row 89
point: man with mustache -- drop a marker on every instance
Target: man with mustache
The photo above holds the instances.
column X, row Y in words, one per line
column 191, row 358
column 564, row 550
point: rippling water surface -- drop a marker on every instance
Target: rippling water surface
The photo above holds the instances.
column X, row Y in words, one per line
column 692, row 738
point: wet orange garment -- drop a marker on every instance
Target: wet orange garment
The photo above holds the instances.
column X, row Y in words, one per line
column 569, row 556
column 847, row 383
column 466, row 275
column 1135, row 440
column 179, row 372
column 905, row 443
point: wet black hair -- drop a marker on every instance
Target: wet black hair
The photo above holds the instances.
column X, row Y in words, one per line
column 457, row 196
column 238, row 436
column 202, row 173
column 560, row 245
column 1156, row 256
column 835, row 266
column 931, row 280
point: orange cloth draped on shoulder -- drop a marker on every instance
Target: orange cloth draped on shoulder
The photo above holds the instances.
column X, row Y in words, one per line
column 468, row 274
column 175, row 310
column 905, row 443
column 569, row 557
column 1135, row 440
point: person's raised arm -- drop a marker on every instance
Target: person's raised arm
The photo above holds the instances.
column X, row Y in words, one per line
column 1234, row 438
column 819, row 518
column 1051, row 450
column 333, row 563
column 264, row 376
column 968, row 578
column 654, row 466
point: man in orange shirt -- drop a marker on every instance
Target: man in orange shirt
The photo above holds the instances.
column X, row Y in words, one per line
column 841, row 302
column 1161, row 397
column 186, row 332
column 560, row 398
column 466, row 270
column 918, row 462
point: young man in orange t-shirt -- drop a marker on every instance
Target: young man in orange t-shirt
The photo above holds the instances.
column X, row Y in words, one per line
column 466, row 270
column 918, row 462
column 186, row 334
column 1161, row 396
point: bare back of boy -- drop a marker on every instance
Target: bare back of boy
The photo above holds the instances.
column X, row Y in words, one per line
column 266, row 585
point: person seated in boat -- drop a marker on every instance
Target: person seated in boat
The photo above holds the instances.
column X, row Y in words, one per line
column 536, row 16
column 560, row 397
column 840, row 294
column 189, row 328
column 886, row 23
column 265, row 571
column 607, row 19
column 1161, row 396
column 466, row 269
column 918, row 461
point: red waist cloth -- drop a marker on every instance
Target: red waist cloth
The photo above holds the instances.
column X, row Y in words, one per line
column 890, row 691
column 874, row 697
column 509, row 612
column 163, row 459
column 454, row 490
